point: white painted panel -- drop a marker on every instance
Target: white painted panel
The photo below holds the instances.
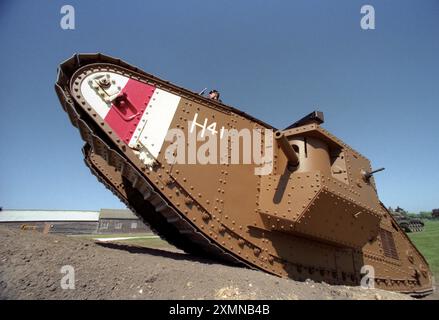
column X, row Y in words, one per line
column 154, row 124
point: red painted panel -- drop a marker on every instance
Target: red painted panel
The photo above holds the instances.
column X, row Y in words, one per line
column 124, row 116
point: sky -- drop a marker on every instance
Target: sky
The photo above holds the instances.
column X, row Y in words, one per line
column 276, row 60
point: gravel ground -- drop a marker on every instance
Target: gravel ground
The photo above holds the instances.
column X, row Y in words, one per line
column 30, row 268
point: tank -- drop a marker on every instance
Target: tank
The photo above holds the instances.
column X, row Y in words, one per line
column 408, row 224
column 214, row 181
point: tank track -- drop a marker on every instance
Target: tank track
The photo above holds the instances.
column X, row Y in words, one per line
column 410, row 225
column 171, row 228
column 416, row 226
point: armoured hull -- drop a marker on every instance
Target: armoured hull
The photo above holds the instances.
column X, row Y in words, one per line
column 310, row 210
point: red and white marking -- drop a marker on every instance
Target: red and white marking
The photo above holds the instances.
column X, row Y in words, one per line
column 143, row 122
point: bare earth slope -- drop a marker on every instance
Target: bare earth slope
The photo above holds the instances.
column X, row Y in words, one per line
column 30, row 268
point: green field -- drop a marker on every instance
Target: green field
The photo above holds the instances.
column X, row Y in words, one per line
column 427, row 242
column 148, row 243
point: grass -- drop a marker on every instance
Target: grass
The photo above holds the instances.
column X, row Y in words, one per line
column 427, row 242
column 114, row 235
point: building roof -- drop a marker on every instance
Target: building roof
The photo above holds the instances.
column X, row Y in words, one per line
column 47, row 215
column 117, row 214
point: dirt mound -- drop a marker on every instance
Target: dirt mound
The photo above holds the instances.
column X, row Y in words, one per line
column 31, row 265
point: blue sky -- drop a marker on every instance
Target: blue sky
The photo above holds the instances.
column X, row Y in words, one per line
column 276, row 60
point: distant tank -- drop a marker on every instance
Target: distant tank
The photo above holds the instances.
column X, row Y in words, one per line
column 408, row 224
column 302, row 204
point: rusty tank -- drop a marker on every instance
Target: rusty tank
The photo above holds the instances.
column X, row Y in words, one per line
column 304, row 206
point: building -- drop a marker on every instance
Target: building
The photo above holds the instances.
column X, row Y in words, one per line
column 435, row 213
column 120, row 221
column 74, row 222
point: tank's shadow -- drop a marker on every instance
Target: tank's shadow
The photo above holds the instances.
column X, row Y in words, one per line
column 180, row 256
